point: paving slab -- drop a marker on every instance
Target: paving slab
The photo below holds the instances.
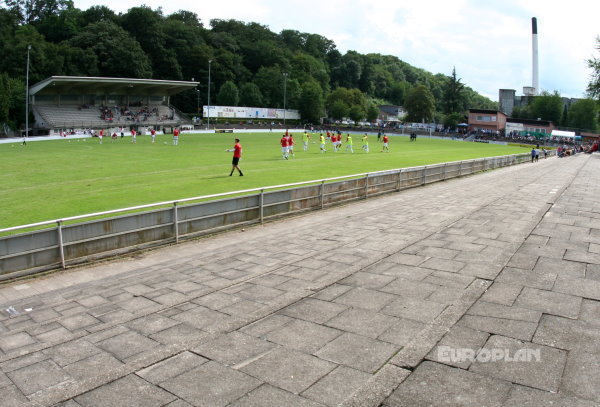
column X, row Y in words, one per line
column 582, row 376
column 502, row 293
column 358, row 352
column 93, row 366
column 365, row 298
column 233, row 348
column 211, row 384
column 38, row 376
column 128, row 391
column 11, row 396
column 459, row 340
column 127, row 344
column 70, row 352
column 334, row 388
column 303, row 336
column 527, row 277
column 317, row 310
column 269, row 396
column 564, row 333
column 402, row 332
column 434, row 384
column 521, row 362
column 549, row 302
column 512, row 328
column 499, row 311
column 521, row 396
column 289, row 370
column 15, row 341
column 171, row 367
column 339, row 316
column 414, row 308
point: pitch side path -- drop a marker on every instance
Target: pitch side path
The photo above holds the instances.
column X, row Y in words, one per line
column 375, row 303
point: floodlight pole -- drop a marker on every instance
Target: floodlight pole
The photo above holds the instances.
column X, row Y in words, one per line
column 27, row 96
column 285, row 75
column 208, row 109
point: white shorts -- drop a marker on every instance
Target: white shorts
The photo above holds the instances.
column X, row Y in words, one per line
column 284, row 149
column 385, row 144
column 323, row 146
column 291, row 148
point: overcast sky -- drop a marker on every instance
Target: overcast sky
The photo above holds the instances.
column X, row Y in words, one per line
column 489, row 42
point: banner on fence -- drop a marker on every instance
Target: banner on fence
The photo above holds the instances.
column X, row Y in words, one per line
column 241, row 112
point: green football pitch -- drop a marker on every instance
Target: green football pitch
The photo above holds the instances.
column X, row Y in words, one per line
column 54, row 179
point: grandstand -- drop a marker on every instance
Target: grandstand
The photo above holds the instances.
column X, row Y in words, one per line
column 64, row 103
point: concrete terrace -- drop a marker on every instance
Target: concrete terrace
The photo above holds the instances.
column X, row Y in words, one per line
column 347, row 306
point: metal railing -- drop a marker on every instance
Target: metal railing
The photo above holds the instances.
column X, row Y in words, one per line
column 67, row 242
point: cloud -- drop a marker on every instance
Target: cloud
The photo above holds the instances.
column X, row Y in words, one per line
column 488, row 42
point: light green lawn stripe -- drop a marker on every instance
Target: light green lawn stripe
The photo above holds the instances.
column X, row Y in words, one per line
column 54, row 179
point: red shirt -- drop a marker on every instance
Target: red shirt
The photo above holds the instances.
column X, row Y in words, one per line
column 237, row 150
column 133, row 132
column 284, row 141
column 153, row 132
column 175, row 133
column 290, row 140
column 385, row 139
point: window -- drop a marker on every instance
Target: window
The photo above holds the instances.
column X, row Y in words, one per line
column 486, row 118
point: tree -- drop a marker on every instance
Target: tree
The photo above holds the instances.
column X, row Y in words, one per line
column 520, row 112
column 144, row 43
column 583, row 114
column 118, row 54
column 311, row 102
column 452, row 120
column 12, row 100
column 564, row 118
column 349, row 97
column 453, row 100
column 338, row 110
column 228, row 94
column 357, row 113
column 594, row 64
column 396, row 93
column 146, row 26
column 270, row 82
column 420, row 104
column 547, row 106
column 34, row 11
column 98, row 13
column 372, row 112
column 293, row 93
column 250, row 95
column 62, row 26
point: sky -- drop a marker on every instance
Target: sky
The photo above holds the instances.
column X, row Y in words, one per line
column 487, row 41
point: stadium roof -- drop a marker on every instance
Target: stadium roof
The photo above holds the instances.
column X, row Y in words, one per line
column 530, row 121
column 83, row 85
column 486, row 111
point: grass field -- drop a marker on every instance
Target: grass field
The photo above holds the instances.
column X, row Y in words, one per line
column 53, row 179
